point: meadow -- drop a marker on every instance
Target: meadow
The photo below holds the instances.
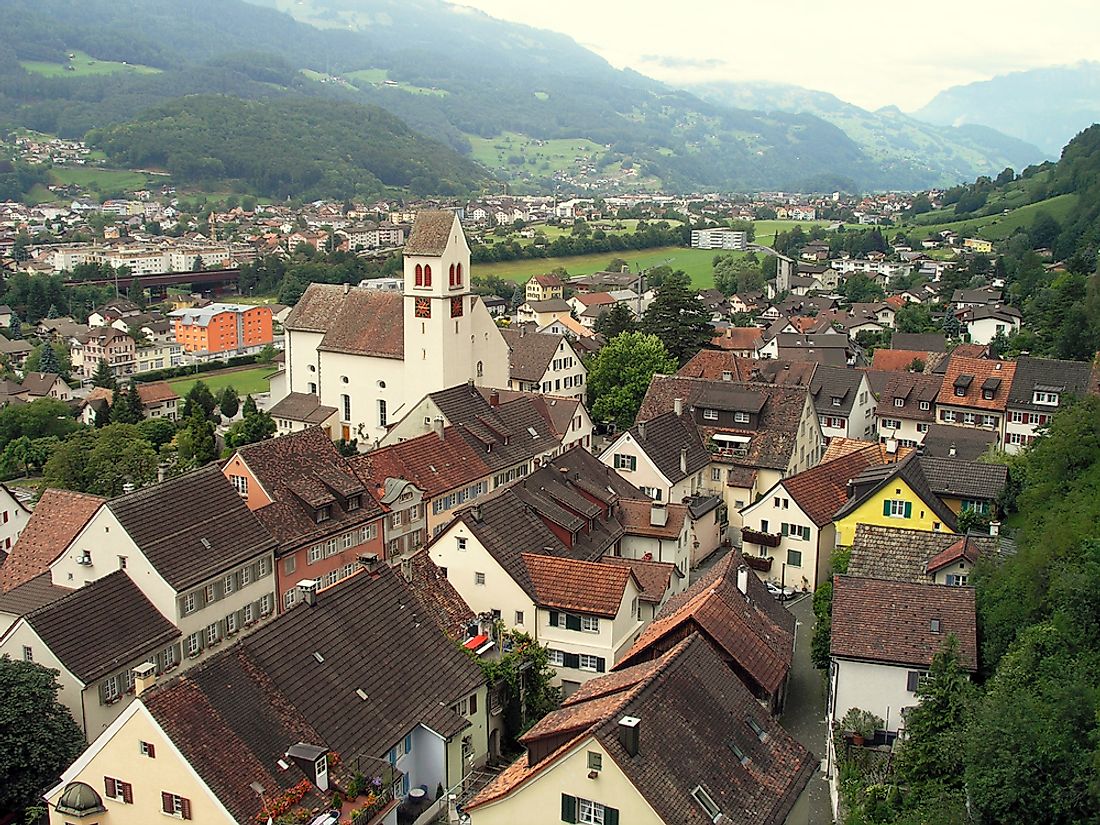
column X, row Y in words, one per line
column 251, row 381
column 83, row 65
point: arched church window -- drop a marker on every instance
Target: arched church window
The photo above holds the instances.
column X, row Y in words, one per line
column 419, row 275
column 480, row 369
column 427, row 275
column 452, row 276
column 458, row 275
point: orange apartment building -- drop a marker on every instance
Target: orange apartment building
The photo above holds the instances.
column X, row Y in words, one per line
column 223, row 328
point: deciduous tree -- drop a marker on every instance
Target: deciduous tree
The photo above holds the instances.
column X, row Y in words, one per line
column 620, row 374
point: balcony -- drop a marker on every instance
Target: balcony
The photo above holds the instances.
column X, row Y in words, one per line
column 757, row 537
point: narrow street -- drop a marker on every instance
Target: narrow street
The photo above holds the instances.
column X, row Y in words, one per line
column 804, row 716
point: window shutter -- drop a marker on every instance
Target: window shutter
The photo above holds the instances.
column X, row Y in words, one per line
column 151, row 750
column 109, row 786
column 554, row 618
column 572, row 659
column 166, row 803
column 785, row 529
column 908, row 509
column 127, row 793
column 185, row 807
column 568, row 808
column 886, row 507
column 912, row 677
column 610, row 816
column 601, row 664
column 572, row 622
column 473, row 704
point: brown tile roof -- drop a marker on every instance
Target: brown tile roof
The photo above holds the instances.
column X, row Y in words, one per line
column 303, row 407
column 841, row 446
column 101, row 627
column 689, row 710
column 981, row 372
column 822, row 490
column 439, row 596
column 963, row 549
column 369, row 322
column 192, row 527
column 58, row 517
column 530, row 353
column 714, row 365
column 664, row 438
column 434, row 465
column 892, row 622
column 31, row 595
column 430, row 233
column 582, row 586
column 39, row 383
column 909, row 470
column 302, row 468
column 156, row 392
column 899, row 360
column 912, row 388
column 655, row 577
column 738, row 338
column 900, row 554
column 635, row 517
column 752, row 631
column 559, row 411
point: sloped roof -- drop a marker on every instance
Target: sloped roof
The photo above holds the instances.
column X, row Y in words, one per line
column 192, row 527
column 823, row 489
column 979, row 371
column 868, row 483
column 922, row 341
column 967, row 443
column 530, row 354
column 31, row 595
column 1068, row 378
column 899, row 360
column 430, row 233
column 835, row 382
column 156, row 392
column 901, row 554
column 963, row 549
column 39, row 383
column 654, row 577
column 58, row 517
column 635, row 514
column 689, row 710
column 439, row 596
column 433, row 464
column 353, row 320
column 581, row 586
column 117, row 625
column 664, row 438
column 303, row 407
column 958, row 478
column 892, row 622
column 912, row 388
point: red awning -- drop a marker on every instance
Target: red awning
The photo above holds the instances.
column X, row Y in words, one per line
column 476, row 642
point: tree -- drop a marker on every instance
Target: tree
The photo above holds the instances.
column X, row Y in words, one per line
column 677, row 318
column 616, row 320
column 253, row 427
column 105, row 461
column 736, row 274
column 127, row 408
column 249, row 407
column 157, row 431
column 914, row 318
column 620, row 374
column 104, row 376
column 199, row 402
column 38, row 737
column 859, row 288
column 195, row 443
column 44, row 359
column 15, row 328
column 52, row 312
column 525, row 679
column 20, row 250
column 290, row 290
column 229, row 402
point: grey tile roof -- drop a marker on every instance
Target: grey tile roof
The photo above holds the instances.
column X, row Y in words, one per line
column 922, row 341
column 967, row 443
column 958, row 478
column 664, row 438
column 102, row 627
column 839, row 382
column 900, row 554
column 430, row 232
column 912, row 388
column 192, row 527
column 31, row 594
column 1069, row 378
column 530, row 354
column 303, row 407
column 909, row 470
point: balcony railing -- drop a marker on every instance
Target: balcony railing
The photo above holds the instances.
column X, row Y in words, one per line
column 758, row 537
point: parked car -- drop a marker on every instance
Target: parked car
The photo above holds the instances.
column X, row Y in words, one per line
column 781, row 592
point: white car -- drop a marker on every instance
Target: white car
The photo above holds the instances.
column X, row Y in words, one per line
column 781, row 592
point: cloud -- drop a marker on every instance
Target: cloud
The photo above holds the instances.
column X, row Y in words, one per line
column 671, row 62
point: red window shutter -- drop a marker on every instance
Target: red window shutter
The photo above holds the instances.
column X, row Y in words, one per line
column 152, row 751
column 109, row 786
column 452, row 283
column 458, row 276
column 127, row 793
column 473, row 704
column 185, row 807
column 427, row 275
column 166, row 803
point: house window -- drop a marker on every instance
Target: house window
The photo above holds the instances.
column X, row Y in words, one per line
column 232, row 625
column 212, row 634
column 249, row 613
column 590, row 624
column 741, row 417
column 957, row 579
column 479, row 578
column 382, row 412
column 461, row 541
column 653, row 492
column 925, row 405
column 626, row 462
column 899, row 402
column 228, row 584
column 709, row 805
column 111, row 689
column 595, row 761
column 316, row 553
column 28, row 654
column 796, row 531
column 148, row 749
column 345, row 401
column 948, row 416
column 323, row 513
column 896, row 508
column 263, row 567
column 189, row 603
column 960, row 392
column 519, row 617
column 290, row 563
column 1050, row 398
column 794, row 558
column 710, row 415
column 589, row 812
column 240, row 484
column 118, row 790
column 354, row 502
column 715, row 473
column 175, row 805
column 208, row 593
column 556, row 657
column 266, row 604
column 891, row 424
column 590, row 663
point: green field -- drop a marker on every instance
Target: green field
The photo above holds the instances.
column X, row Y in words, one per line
column 767, row 230
column 997, row 227
column 246, row 382
column 378, row 77
column 105, row 180
column 695, row 262
column 549, row 156
column 83, row 65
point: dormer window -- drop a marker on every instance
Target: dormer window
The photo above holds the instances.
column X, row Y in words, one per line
column 354, row 502
column 323, row 513
column 926, row 405
column 710, row 415
column 836, row 401
column 987, row 395
column 1044, row 397
column 741, row 417
column 899, row 402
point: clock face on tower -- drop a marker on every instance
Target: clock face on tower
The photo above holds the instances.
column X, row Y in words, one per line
column 423, row 308
column 456, row 307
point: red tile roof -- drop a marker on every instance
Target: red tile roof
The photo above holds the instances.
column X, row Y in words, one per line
column 980, row 370
column 156, row 392
column 964, row 548
column 892, row 622
column 433, row 464
column 584, row 586
column 822, row 490
column 899, row 360
column 635, row 518
column 655, row 577
column 59, row 516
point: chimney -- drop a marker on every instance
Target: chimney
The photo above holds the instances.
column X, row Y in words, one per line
column 743, row 579
column 494, row 398
column 658, row 514
column 629, row 729
column 370, row 563
column 951, row 451
column 678, row 406
column 641, row 431
column 308, row 589
column 145, row 676
column 684, row 460
column 437, row 426
column 475, row 512
column 994, row 528
column 347, row 288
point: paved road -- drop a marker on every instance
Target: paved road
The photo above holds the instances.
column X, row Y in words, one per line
column 804, row 717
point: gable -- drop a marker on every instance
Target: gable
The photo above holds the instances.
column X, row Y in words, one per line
column 626, row 444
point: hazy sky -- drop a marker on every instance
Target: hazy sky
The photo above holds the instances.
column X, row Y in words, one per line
column 862, row 51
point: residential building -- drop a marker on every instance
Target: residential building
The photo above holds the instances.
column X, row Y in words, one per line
column 884, row 635
column 292, row 694
column 975, row 394
column 14, row 517
column 788, row 534
column 1040, row 386
column 298, row 411
column 659, row 581
column 949, row 441
column 308, row 497
column 984, row 323
column 372, row 354
column 965, row 485
column 159, row 400
column 657, row 532
column 544, row 363
column 544, row 288
column 158, row 356
column 220, row 329
column 669, row 741
column 907, row 407
column 46, row 385
column 664, row 457
column 103, row 344
column 745, row 625
column 920, row 556
column 543, row 313
column 405, row 527
column 844, row 402
column 718, row 238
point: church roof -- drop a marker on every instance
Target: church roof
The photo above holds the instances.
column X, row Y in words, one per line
column 355, row 321
column 430, row 233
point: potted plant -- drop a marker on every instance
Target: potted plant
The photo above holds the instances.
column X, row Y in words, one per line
column 862, row 724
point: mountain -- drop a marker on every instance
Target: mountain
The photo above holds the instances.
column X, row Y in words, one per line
column 912, row 153
column 1045, row 106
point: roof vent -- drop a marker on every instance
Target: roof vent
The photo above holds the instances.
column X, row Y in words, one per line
column 629, row 732
column 362, row 694
column 205, row 543
column 320, row 659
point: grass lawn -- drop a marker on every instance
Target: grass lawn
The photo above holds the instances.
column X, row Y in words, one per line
column 767, row 230
column 1000, row 226
column 549, row 156
column 695, row 262
column 84, row 65
column 246, row 382
column 94, row 177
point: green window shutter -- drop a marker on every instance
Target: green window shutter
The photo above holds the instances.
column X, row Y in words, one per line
column 572, row 660
column 601, row 666
column 553, row 618
column 568, row 808
column 572, row 622
column 886, row 507
column 786, row 531
column 610, row 816
column 908, row 509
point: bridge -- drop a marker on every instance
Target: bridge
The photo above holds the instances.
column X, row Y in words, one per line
column 215, row 280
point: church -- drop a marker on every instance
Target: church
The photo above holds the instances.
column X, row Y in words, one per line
column 372, row 355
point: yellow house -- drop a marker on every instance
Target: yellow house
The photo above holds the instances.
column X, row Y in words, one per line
column 651, row 744
column 893, row 495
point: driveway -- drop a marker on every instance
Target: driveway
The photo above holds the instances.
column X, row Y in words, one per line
column 804, row 716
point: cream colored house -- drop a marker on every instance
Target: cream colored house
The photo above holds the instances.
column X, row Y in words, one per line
column 14, row 516
column 373, row 354
column 663, row 457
